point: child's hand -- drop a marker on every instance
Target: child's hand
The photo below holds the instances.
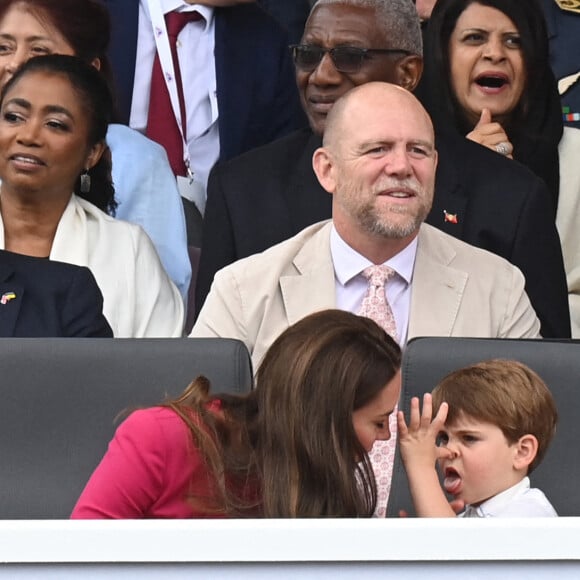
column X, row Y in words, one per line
column 418, row 445
column 418, row 440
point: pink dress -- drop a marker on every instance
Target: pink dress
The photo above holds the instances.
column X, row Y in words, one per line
column 147, row 471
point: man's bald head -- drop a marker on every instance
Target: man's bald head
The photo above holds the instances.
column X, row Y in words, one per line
column 358, row 104
column 378, row 161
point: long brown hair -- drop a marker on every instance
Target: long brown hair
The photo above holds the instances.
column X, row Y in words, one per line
column 289, row 449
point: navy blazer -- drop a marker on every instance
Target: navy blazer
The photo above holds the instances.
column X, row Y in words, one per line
column 42, row 298
column 268, row 195
column 291, row 14
column 256, row 89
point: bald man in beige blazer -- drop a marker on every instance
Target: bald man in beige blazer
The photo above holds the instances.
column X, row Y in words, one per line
column 378, row 161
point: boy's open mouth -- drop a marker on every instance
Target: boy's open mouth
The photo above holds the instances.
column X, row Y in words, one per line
column 452, row 481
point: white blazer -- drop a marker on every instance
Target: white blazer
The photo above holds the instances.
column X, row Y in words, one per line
column 568, row 219
column 139, row 298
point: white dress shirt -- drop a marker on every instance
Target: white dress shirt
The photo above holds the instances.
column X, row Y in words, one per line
column 196, row 44
column 351, row 286
column 518, row 501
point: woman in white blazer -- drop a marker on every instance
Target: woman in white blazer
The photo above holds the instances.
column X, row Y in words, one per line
column 56, row 185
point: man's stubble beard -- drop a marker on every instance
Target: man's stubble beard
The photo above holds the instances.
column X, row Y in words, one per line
column 377, row 223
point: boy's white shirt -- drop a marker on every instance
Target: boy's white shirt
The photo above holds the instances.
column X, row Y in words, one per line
column 518, row 501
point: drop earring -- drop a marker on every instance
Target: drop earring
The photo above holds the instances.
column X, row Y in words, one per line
column 85, row 182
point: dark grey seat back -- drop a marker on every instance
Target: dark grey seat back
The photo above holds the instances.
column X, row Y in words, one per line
column 428, row 360
column 60, row 398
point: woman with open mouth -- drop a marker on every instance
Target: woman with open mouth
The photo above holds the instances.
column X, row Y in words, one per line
column 487, row 75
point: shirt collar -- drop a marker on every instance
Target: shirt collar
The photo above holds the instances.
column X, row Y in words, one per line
column 348, row 263
column 495, row 504
column 206, row 12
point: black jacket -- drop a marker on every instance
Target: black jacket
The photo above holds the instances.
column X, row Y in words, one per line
column 42, row 298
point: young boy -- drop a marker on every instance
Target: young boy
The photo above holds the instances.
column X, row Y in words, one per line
column 494, row 421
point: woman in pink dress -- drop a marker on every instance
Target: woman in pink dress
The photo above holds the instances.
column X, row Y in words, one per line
column 296, row 446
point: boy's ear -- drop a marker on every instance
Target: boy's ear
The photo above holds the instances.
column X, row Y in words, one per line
column 526, row 449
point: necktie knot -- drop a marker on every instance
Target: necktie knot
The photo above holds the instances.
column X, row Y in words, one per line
column 176, row 21
column 375, row 304
column 378, row 275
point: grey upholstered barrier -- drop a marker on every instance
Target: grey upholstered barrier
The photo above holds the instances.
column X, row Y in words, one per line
column 427, row 360
column 59, row 399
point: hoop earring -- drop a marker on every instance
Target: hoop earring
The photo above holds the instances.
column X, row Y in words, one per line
column 85, row 182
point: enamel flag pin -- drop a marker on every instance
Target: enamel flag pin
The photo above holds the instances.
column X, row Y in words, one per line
column 6, row 297
column 450, row 217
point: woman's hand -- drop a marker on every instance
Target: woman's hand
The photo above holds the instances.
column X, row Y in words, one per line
column 491, row 135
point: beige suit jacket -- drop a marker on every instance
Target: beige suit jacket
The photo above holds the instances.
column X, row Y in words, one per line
column 457, row 290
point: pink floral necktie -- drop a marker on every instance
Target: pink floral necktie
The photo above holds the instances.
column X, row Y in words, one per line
column 376, row 307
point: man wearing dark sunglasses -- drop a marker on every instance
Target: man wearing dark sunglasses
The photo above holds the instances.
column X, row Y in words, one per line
column 268, row 195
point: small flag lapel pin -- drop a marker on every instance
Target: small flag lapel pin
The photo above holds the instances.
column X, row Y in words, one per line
column 6, row 297
column 450, row 217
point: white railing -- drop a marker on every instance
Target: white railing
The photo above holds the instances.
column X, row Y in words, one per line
column 401, row 548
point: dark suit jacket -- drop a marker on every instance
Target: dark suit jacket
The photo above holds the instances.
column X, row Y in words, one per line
column 271, row 193
column 292, row 14
column 256, row 89
column 50, row 299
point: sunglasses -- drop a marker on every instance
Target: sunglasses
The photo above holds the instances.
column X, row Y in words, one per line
column 346, row 59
